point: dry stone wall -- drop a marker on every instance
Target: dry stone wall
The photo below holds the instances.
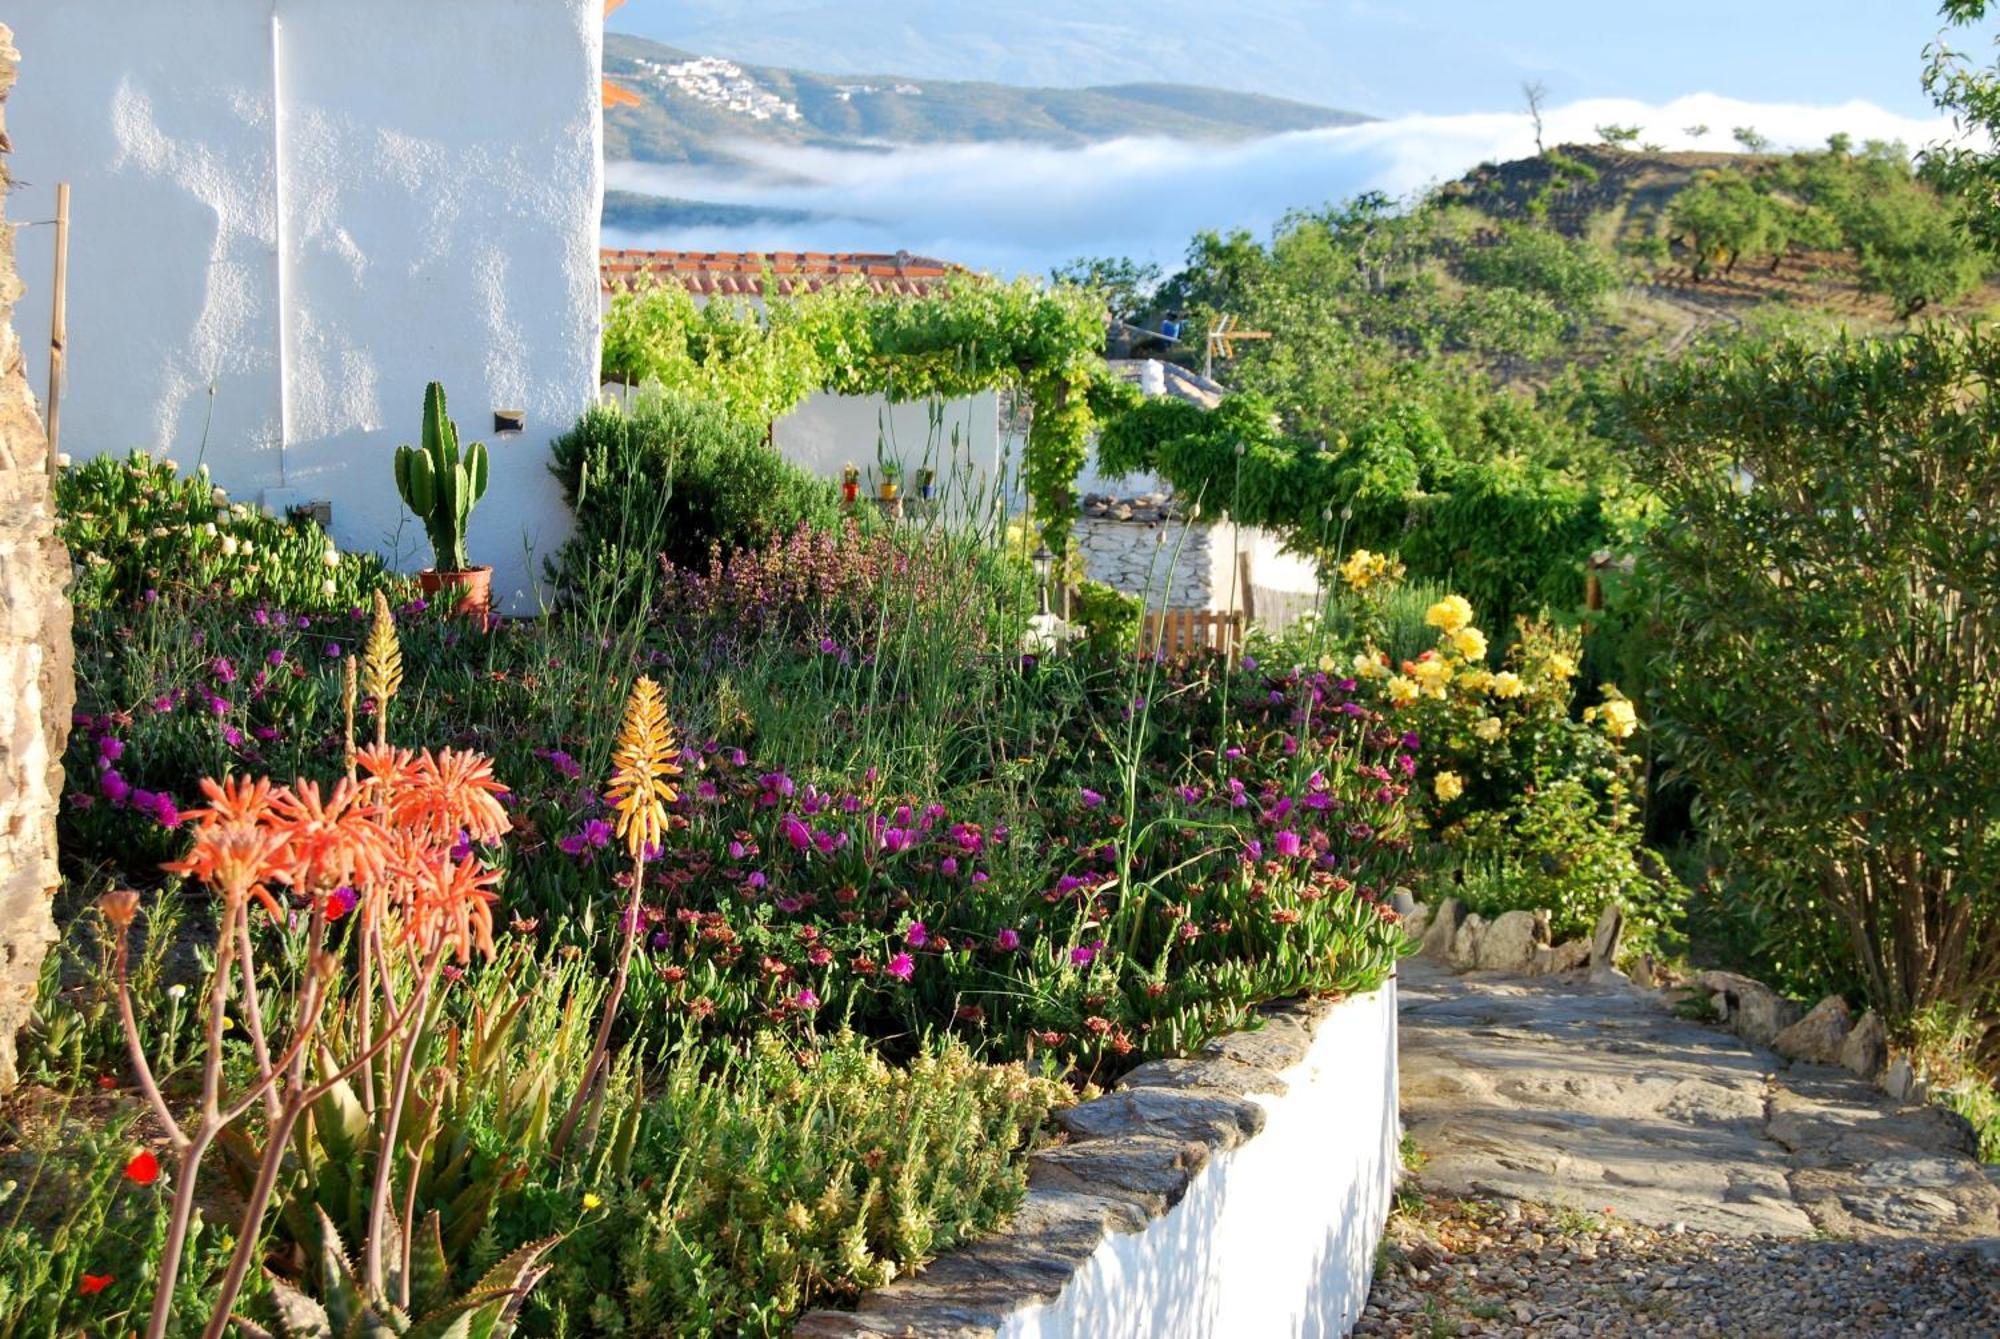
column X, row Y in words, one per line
column 36, row 688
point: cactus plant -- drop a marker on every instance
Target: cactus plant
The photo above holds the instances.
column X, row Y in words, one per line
column 440, row 483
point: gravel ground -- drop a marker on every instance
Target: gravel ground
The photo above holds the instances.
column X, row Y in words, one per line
column 1497, row 1267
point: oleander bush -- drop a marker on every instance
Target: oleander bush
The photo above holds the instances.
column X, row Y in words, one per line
column 1830, row 583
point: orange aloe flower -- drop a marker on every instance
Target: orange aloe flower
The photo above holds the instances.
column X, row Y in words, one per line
column 237, row 858
column 390, row 768
column 332, row 841
column 238, row 800
column 448, row 793
column 449, row 902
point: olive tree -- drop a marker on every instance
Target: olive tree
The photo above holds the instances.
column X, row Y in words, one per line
column 1830, row 671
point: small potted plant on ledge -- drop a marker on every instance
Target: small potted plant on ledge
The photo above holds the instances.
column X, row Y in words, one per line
column 891, row 481
column 850, row 484
column 442, row 486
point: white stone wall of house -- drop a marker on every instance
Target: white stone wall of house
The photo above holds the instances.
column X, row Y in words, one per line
column 290, row 215
column 36, row 688
column 1136, row 538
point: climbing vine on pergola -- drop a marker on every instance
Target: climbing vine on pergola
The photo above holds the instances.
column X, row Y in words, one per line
column 964, row 337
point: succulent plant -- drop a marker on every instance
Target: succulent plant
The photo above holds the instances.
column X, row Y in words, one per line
column 440, row 484
column 429, row 1311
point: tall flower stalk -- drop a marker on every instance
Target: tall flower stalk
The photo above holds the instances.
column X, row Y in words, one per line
column 642, row 767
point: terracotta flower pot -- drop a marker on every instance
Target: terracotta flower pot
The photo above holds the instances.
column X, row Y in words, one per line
column 472, row 589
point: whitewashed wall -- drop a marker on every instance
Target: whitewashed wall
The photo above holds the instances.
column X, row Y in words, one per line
column 1275, row 1237
column 289, row 215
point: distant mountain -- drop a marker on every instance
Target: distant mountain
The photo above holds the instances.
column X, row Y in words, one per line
column 695, row 109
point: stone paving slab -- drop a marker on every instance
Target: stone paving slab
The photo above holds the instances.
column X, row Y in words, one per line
column 1590, row 1092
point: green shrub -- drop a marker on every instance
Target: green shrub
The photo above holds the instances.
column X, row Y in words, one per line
column 674, row 477
column 137, row 530
column 794, row 1179
column 1829, row 576
column 1110, row 618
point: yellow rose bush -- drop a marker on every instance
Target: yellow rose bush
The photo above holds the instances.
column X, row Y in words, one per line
column 1529, row 801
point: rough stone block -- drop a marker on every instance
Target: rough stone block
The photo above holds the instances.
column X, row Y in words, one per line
column 1214, row 1119
column 1442, row 932
column 1509, row 943
column 1465, row 945
column 1866, row 1047
column 1816, row 1038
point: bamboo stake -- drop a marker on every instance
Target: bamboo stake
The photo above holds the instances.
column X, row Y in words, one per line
column 58, row 325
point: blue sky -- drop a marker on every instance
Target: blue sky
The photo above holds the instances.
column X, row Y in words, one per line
column 1376, row 56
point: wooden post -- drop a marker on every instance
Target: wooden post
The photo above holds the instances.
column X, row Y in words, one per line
column 58, row 326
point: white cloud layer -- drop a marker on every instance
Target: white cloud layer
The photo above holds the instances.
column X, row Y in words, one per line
column 1013, row 208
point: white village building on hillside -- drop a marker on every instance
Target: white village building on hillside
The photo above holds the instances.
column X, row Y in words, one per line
column 290, row 215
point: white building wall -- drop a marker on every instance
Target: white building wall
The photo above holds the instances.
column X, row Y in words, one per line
column 314, row 209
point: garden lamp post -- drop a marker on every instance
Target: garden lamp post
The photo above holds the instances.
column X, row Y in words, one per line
column 1043, row 561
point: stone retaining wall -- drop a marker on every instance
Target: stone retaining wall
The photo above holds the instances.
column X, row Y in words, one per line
column 1241, row 1191
column 36, row 690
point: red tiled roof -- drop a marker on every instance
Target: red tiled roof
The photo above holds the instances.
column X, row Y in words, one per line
column 742, row 273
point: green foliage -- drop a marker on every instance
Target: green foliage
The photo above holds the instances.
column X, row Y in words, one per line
column 789, row 1180
column 1125, row 286
column 1616, row 135
column 1722, row 218
column 137, row 531
column 1827, row 578
column 674, row 476
column 1110, row 618
column 440, row 485
column 417, row 1304
column 1570, row 272
column 958, row 339
column 77, row 1237
column 1967, row 169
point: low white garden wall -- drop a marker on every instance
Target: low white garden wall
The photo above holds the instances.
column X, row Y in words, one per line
column 1239, row 1192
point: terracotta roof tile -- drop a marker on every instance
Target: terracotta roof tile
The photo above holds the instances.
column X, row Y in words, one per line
column 742, row 273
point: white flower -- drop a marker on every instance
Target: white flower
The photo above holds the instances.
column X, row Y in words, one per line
column 246, row 548
column 176, row 991
column 230, row 546
column 62, row 460
column 209, row 529
column 326, row 586
column 217, row 497
column 173, row 465
column 332, row 556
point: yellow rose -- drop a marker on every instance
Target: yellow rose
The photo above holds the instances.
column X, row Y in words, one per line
column 1474, row 679
column 1449, row 614
column 1561, row 666
column 1507, row 684
column 1326, row 664
column 1369, row 665
column 1432, row 675
column 1449, row 786
column 1620, row 720
column 1359, row 569
column 1469, row 643
column 1403, row 691
column 1488, row 730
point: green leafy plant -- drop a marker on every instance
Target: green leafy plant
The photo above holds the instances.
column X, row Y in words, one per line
column 791, row 1179
column 1830, row 592
column 440, row 484
column 416, row 1300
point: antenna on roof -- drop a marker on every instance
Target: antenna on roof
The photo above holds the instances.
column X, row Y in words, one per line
column 1223, row 336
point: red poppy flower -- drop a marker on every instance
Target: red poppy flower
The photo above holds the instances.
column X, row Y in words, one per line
column 93, row 1284
column 144, row 1169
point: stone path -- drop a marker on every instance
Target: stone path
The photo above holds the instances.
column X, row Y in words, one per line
column 1591, row 1099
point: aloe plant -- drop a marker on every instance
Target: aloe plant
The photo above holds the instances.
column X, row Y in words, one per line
column 440, row 484
column 419, row 1304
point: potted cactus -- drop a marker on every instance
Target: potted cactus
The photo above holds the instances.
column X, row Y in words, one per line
column 442, row 485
